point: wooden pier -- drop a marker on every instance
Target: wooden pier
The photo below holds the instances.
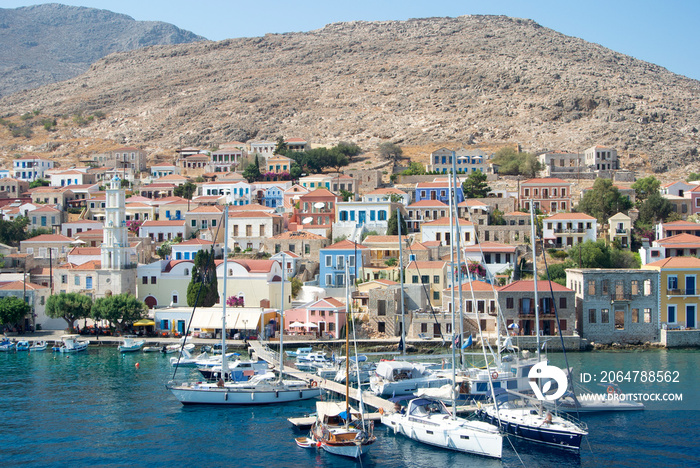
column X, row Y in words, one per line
column 272, row 358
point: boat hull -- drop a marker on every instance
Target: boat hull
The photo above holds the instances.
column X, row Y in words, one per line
column 448, row 436
column 537, row 434
column 350, row 450
column 223, row 396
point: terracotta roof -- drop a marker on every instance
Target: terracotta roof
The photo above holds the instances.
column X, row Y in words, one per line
column 255, row 266
column 676, row 262
column 490, row 247
column 169, row 266
column 566, row 216
column 529, row 286
column 476, row 285
column 428, row 203
column 383, row 239
column 207, row 209
column 299, row 235
column 194, row 242
column 252, row 214
column 345, row 245
column 20, row 285
column 151, row 222
column 516, row 213
column 137, row 205
column 45, row 208
column 249, row 207
column 387, row 191
column 425, row 265
column 386, row 282
column 472, row 202
column 319, row 193
column 680, row 239
column 429, row 244
column 545, row 180
column 689, row 225
column 83, row 221
column 91, row 265
column 49, row 238
column 327, row 303
column 446, row 222
column 85, row 251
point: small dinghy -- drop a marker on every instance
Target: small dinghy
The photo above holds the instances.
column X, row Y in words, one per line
column 305, row 442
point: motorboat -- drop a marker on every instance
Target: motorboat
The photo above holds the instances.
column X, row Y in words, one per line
column 71, row 344
column 130, row 345
column 585, row 401
column 185, row 359
column 361, row 365
column 299, row 352
column 38, row 346
column 312, row 361
column 23, row 345
column 154, row 348
column 526, row 419
column 430, row 422
column 395, row 378
column 6, row 345
column 341, row 432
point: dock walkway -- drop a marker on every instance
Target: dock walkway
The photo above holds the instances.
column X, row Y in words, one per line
column 272, row 358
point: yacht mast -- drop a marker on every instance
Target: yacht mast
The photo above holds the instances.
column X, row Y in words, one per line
column 347, row 346
column 534, row 274
column 403, row 323
column 224, row 359
column 281, row 320
column 452, row 285
column 459, row 259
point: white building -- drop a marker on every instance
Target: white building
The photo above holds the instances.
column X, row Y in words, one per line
column 439, row 230
column 31, row 168
column 187, row 250
column 496, row 257
column 601, row 158
column 370, row 216
column 568, row 229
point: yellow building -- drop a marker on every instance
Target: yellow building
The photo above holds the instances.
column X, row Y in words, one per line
column 679, row 295
column 433, row 275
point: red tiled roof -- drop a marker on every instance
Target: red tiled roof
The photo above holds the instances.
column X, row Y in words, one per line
column 676, row 262
column 529, row 286
column 428, row 203
column 256, row 266
column 20, row 285
column 151, row 222
column 383, row 239
column 346, row 245
column 49, row 238
column 680, row 239
column 446, row 222
column 327, row 303
column 490, row 247
column 476, row 285
column 195, row 242
column 564, row 216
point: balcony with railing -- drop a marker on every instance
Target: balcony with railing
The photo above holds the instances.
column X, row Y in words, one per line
column 620, row 297
column 682, row 292
column 570, row 231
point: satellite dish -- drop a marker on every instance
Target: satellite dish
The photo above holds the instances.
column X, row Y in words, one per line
column 319, row 205
column 307, row 220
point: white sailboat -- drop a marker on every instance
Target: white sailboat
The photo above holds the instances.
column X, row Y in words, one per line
column 260, row 389
column 428, row 420
column 524, row 416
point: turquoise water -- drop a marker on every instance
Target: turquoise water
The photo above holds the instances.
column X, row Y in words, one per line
column 99, row 409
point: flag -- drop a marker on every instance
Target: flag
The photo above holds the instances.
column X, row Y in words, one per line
column 457, row 341
column 467, row 343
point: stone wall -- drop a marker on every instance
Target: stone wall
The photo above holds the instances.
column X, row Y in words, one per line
column 368, row 179
column 680, row 338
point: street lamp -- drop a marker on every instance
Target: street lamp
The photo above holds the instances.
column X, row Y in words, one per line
column 245, row 328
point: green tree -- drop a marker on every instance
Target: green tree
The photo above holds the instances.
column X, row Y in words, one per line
column 119, row 310
column 496, row 218
column 512, row 162
column 39, row 183
column 693, row 177
column 346, row 195
column 13, row 310
column 653, row 209
column 185, row 190
column 348, row 149
column 603, row 201
column 393, row 225
column 475, row 186
column 164, row 250
column 68, row 306
column 296, row 286
column 414, row 168
column 203, row 283
column 252, row 171
column 390, row 151
column 12, row 232
column 281, row 146
column 645, row 187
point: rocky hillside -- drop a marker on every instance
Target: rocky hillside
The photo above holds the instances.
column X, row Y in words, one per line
column 466, row 80
column 48, row 43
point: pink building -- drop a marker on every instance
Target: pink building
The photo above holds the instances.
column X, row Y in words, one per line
column 549, row 194
column 325, row 317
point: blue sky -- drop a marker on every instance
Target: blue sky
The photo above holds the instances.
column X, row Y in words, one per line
column 661, row 32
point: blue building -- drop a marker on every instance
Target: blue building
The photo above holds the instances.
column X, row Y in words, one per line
column 333, row 260
column 273, row 197
column 437, row 191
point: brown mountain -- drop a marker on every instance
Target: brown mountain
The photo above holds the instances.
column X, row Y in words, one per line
column 472, row 79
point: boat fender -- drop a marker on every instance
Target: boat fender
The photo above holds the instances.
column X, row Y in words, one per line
column 380, row 410
column 611, row 390
column 277, row 394
column 252, row 395
column 226, row 396
column 313, row 383
column 494, row 375
column 137, row 365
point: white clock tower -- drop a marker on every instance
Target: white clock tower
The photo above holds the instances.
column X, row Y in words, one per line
column 115, row 253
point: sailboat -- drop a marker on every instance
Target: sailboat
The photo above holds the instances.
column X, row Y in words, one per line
column 266, row 388
column 339, row 429
column 524, row 416
column 429, row 421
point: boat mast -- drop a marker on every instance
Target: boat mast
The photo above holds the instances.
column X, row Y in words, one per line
column 281, row 320
column 347, row 345
column 534, row 275
column 452, row 266
column 403, row 323
column 459, row 260
column 224, row 359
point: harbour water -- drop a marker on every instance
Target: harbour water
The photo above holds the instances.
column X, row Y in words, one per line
column 100, row 409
